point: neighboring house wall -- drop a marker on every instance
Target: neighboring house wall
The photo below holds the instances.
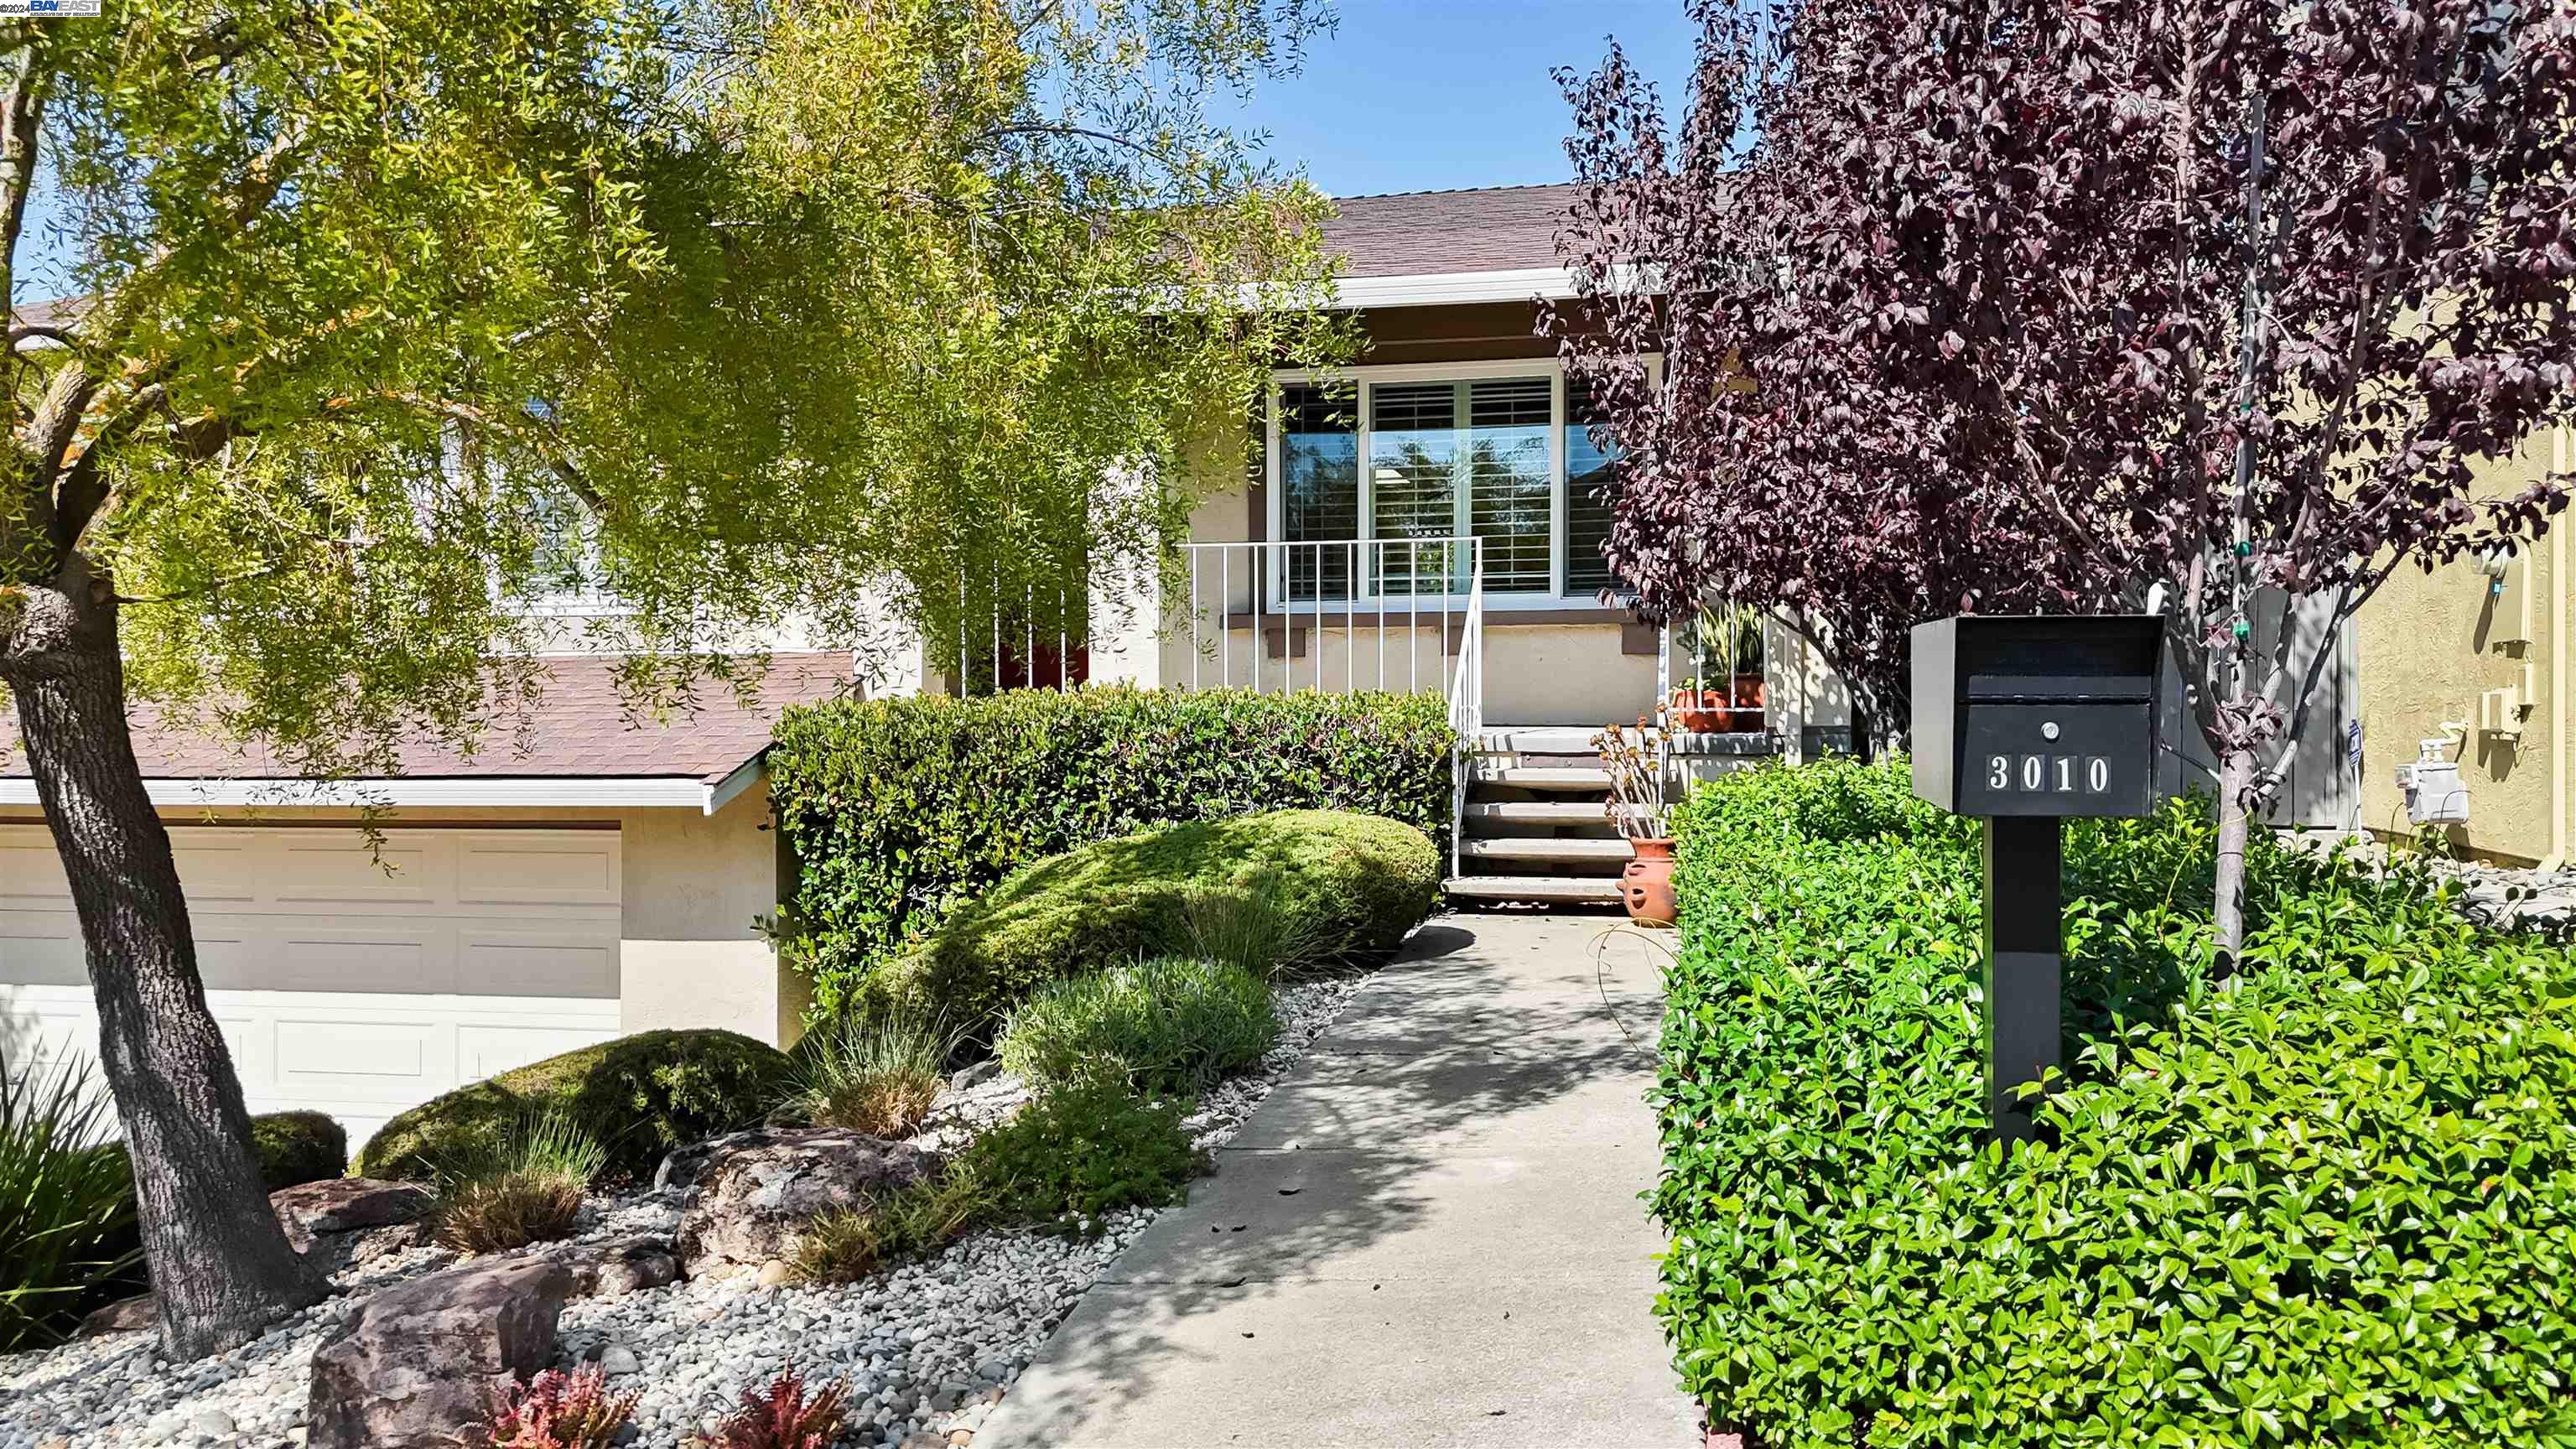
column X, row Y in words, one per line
column 2430, row 645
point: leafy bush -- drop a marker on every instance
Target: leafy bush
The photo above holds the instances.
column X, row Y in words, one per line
column 67, row 1230
column 900, row 811
column 558, row 1410
column 789, row 1414
column 640, row 1095
column 1353, row 884
column 2332, row 1203
column 1169, row 1024
column 528, row 1189
column 298, row 1147
column 1082, row 1149
column 878, row 1077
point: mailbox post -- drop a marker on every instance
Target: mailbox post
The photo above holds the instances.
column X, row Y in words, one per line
column 2025, row 722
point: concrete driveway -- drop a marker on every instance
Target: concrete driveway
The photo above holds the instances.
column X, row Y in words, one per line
column 1429, row 1235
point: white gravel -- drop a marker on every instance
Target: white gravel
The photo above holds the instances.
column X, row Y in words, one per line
column 926, row 1349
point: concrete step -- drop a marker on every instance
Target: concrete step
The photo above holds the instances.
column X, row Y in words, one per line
column 1542, row 812
column 1556, row 889
column 1534, row 740
column 1547, row 777
column 1613, row 851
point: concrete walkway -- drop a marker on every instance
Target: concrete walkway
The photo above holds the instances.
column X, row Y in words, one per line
column 1429, row 1235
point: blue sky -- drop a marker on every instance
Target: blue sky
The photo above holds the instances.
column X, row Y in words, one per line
column 1430, row 95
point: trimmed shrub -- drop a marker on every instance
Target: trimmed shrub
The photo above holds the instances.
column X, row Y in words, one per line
column 1354, row 884
column 67, row 1230
column 2333, row 1202
column 640, row 1095
column 1169, row 1024
column 900, row 811
column 1082, row 1149
column 298, row 1147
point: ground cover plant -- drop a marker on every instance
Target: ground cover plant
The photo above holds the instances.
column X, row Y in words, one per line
column 640, row 1095
column 1351, row 885
column 902, row 811
column 1168, row 1024
column 2331, row 1202
column 1083, row 1149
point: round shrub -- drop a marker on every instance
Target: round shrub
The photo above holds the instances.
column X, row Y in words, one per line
column 2329, row 1203
column 1350, row 886
column 641, row 1095
column 1169, row 1024
column 298, row 1147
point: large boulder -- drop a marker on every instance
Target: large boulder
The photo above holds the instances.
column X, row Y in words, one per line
column 343, row 1220
column 415, row 1366
column 753, row 1199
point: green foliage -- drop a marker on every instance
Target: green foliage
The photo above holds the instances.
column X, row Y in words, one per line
column 297, row 1147
column 1082, row 1149
column 918, row 1219
column 2332, row 1203
column 900, row 811
column 1355, row 883
column 877, row 1077
column 526, row 1188
column 67, row 1229
column 640, row 1095
column 1166, row 1025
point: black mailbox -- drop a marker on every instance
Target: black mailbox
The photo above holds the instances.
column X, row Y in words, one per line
column 2037, row 715
column 2025, row 721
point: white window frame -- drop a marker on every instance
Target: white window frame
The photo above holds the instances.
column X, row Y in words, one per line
column 1362, row 380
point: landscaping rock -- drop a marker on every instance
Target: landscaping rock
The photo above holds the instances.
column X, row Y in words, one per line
column 629, row 1265
column 415, row 1366
column 752, row 1200
column 345, row 1220
column 125, row 1315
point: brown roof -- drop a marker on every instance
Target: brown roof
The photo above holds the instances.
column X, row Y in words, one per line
column 1414, row 233
column 579, row 727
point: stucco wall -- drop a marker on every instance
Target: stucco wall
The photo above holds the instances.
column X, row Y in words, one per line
column 2430, row 644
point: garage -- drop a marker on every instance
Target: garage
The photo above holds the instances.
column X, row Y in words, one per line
column 349, row 980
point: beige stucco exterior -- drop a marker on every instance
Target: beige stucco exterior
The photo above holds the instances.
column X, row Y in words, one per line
column 2430, row 646
column 692, row 887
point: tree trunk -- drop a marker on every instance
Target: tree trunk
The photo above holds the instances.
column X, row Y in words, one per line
column 2235, row 796
column 220, row 1264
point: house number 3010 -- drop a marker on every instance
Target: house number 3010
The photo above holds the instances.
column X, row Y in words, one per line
column 2049, row 774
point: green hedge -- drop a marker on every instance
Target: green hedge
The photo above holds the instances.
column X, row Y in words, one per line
column 641, row 1095
column 1343, row 887
column 298, row 1147
column 900, row 810
column 2334, row 1204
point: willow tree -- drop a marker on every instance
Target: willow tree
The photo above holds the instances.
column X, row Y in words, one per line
column 1984, row 306
column 392, row 314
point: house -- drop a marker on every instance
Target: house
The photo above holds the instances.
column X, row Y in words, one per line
column 2465, row 670
column 1423, row 520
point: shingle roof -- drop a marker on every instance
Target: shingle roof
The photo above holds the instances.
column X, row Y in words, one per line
column 1416, row 233
column 578, row 728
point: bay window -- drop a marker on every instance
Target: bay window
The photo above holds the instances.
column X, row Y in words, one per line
column 1498, row 452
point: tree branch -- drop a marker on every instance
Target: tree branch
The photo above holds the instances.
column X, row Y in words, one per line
column 20, row 117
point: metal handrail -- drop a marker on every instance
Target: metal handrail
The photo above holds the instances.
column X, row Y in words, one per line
column 1370, row 591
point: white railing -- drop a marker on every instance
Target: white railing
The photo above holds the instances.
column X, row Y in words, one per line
column 1466, row 716
column 1394, row 605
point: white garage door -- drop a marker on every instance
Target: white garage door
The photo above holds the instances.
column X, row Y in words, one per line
column 347, row 982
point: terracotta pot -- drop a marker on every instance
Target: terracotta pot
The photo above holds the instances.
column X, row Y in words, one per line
column 1647, row 884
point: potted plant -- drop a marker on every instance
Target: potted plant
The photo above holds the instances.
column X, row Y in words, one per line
column 1634, row 760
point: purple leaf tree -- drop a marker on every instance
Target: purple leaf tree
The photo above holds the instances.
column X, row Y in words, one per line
column 1978, row 306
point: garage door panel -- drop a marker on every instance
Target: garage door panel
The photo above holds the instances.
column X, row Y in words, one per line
column 219, row 871
column 41, row 948
column 485, row 1049
column 337, row 1058
column 332, row 868
column 521, row 963
column 40, row 1025
column 384, row 959
column 29, row 868
column 227, row 959
column 515, row 868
